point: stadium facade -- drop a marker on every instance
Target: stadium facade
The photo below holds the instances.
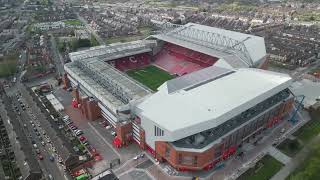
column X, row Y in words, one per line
column 220, row 96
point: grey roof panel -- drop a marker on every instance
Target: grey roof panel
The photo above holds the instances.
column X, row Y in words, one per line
column 197, row 78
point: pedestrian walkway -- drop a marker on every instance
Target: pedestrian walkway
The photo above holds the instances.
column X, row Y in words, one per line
column 294, row 163
column 277, row 154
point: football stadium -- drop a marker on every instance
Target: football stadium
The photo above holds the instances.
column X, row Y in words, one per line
column 190, row 95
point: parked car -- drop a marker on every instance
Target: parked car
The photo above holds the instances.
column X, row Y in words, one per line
column 86, row 143
column 51, row 158
column 82, row 138
column 40, row 157
column 78, row 132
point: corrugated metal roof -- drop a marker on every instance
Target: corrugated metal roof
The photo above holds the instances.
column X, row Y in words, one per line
column 197, row 78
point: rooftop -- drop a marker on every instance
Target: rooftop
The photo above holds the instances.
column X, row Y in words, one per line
column 113, row 51
column 213, row 99
column 238, row 49
column 108, row 84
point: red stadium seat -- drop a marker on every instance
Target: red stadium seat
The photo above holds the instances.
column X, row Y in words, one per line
column 132, row 62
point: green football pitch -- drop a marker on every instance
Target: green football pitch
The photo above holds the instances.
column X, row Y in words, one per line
column 150, row 76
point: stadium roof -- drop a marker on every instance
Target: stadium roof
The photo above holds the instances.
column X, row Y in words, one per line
column 237, row 49
column 114, row 51
column 189, row 111
column 112, row 87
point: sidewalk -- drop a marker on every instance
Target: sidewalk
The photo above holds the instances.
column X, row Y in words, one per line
column 284, row 159
column 294, row 163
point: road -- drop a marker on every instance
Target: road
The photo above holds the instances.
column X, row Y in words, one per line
column 47, row 133
column 92, row 31
column 58, row 59
column 30, row 129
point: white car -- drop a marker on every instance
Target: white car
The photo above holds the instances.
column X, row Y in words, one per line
column 136, row 157
column 78, row 132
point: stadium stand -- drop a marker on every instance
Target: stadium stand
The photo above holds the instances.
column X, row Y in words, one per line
column 131, row 62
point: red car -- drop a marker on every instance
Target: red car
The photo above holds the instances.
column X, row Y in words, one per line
column 40, row 157
column 82, row 138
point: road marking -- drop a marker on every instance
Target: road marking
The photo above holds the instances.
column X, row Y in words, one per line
column 128, row 161
column 104, row 140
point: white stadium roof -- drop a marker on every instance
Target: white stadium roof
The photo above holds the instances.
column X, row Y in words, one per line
column 192, row 108
column 237, row 49
column 114, row 51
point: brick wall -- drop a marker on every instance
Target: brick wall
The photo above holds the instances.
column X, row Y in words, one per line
column 198, row 161
column 124, row 132
column 66, row 81
column 264, row 64
column 90, row 108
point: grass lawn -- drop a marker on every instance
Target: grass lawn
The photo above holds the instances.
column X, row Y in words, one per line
column 310, row 129
column 73, row 22
column 263, row 170
column 290, row 147
column 150, row 76
column 8, row 65
column 309, row 168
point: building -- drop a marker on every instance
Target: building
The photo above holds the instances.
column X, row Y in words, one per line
column 81, row 34
column 220, row 96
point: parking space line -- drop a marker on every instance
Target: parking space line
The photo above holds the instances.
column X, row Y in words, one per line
column 104, row 140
